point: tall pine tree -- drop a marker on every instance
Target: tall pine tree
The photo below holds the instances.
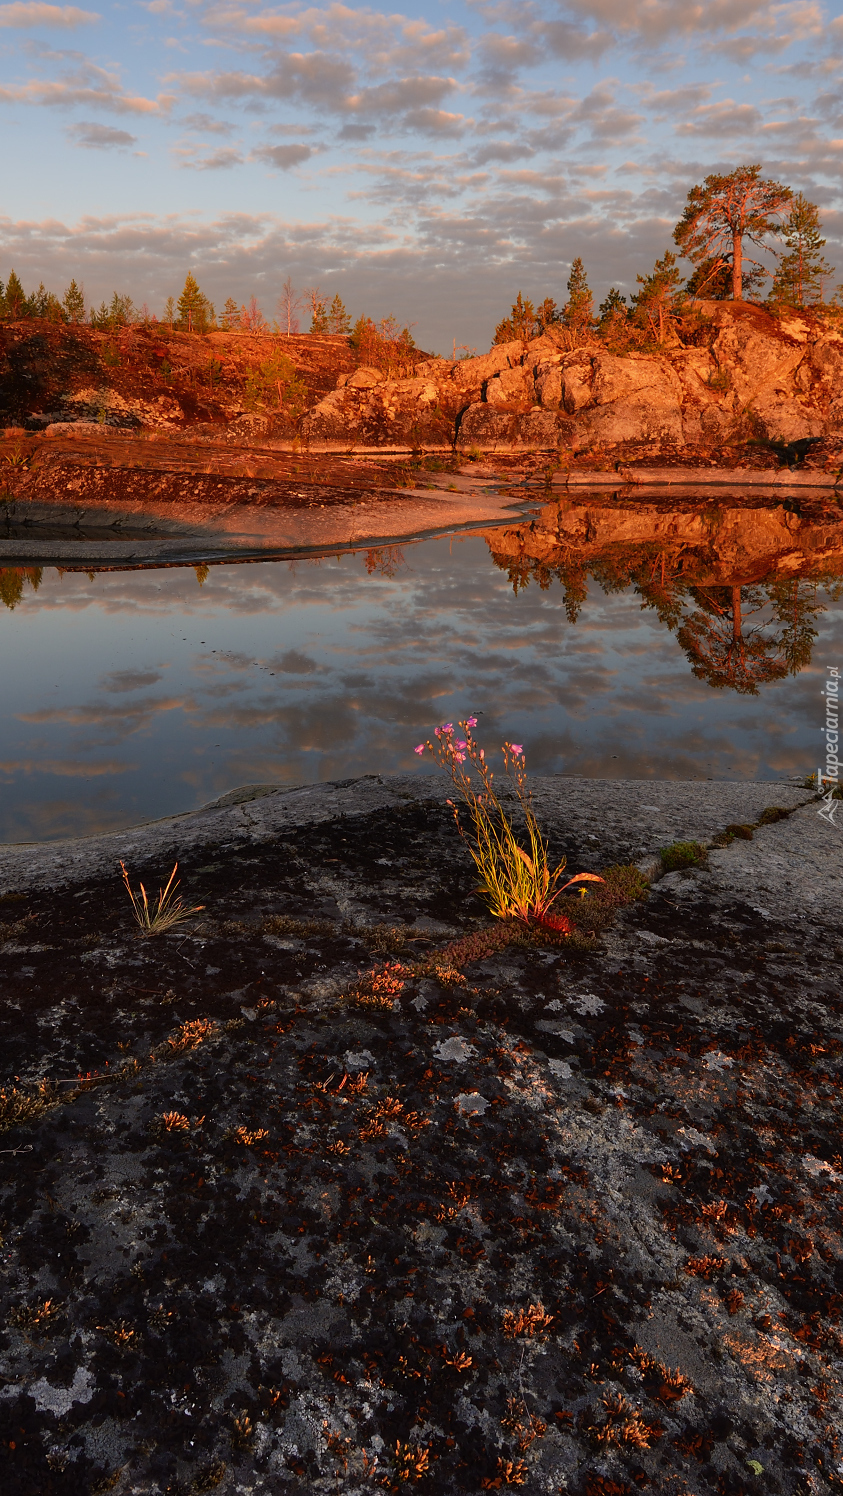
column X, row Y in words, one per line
column 799, row 278
column 577, row 313
column 195, row 311
column 74, row 302
column 17, row 301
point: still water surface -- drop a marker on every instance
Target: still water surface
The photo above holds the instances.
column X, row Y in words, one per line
column 133, row 695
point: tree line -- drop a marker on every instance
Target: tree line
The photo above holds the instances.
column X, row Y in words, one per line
column 192, row 311
column 721, row 216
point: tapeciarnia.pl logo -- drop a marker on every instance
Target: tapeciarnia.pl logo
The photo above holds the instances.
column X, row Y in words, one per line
column 830, row 775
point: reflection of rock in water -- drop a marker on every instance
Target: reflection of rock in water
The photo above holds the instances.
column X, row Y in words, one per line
column 738, row 585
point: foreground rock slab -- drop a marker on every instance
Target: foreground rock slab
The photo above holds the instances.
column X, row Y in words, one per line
column 333, row 1191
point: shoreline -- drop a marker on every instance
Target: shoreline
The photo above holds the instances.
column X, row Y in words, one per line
column 690, row 810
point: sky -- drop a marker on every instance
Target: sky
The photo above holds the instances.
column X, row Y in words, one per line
column 426, row 163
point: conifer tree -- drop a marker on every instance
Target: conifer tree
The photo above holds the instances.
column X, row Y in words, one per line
column 723, row 212
column 45, row 305
column 578, row 311
column 660, row 296
column 798, row 280
column 338, row 318
column 231, row 314
column 318, row 305
column 614, row 305
column 74, row 302
column 195, row 312
column 17, row 302
column 547, row 315
column 521, row 322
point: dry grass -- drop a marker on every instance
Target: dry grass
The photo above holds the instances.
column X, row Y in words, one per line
column 247, row 1138
column 622, row 1425
column 17, row 1107
column 286, row 924
column 16, row 929
column 381, row 987
column 509, row 1473
column 524, row 1426
column 172, row 1122
column 191, row 1034
column 531, row 1322
column 412, row 1461
column 169, row 911
column 37, row 1319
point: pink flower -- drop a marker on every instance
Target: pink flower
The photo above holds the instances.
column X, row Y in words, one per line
column 460, row 758
column 471, row 721
column 447, row 727
column 461, row 744
column 420, row 748
column 517, row 748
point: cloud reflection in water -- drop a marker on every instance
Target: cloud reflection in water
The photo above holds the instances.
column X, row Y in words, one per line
column 320, row 670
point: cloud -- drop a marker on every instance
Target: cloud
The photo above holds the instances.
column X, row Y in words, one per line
column 85, row 85
column 506, row 53
column 129, row 680
column 221, row 159
column 99, row 137
column 571, row 42
column 282, row 157
column 28, row 13
column 293, row 662
column 70, row 768
column 659, row 19
column 725, row 119
column 207, row 124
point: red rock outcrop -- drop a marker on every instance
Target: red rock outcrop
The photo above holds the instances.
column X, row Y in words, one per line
column 749, row 376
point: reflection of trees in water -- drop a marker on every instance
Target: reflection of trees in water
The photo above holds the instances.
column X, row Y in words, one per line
column 385, row 561
column 12, row 579
column 742, row 635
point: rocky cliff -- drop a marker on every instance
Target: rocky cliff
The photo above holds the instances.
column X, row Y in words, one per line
column 747, row 376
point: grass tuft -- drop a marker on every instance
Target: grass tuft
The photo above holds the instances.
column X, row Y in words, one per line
column 169, row 911
column 17, row 1107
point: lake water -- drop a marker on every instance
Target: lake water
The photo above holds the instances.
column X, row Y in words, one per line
column 132, row 695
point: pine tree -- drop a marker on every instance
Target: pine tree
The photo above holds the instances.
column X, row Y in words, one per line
column 578, row 311
column 230, row 314
column 723, row 212
column 798, row 280
column 17, row 302
column 547, row 315
column 338, row 318
column 614, row 317
column 195, row 312
column 520, row 324
column 46, row 306
column 713, row 281
column 613, row 306
column 660, row 296
column 74, row 303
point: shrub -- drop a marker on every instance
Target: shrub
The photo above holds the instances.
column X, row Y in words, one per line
column 274, row 384
column 682, row 854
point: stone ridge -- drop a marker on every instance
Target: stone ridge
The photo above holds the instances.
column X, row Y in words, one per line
column 753, row 377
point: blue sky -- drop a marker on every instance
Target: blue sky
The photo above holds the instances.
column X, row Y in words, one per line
column 428, row 162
